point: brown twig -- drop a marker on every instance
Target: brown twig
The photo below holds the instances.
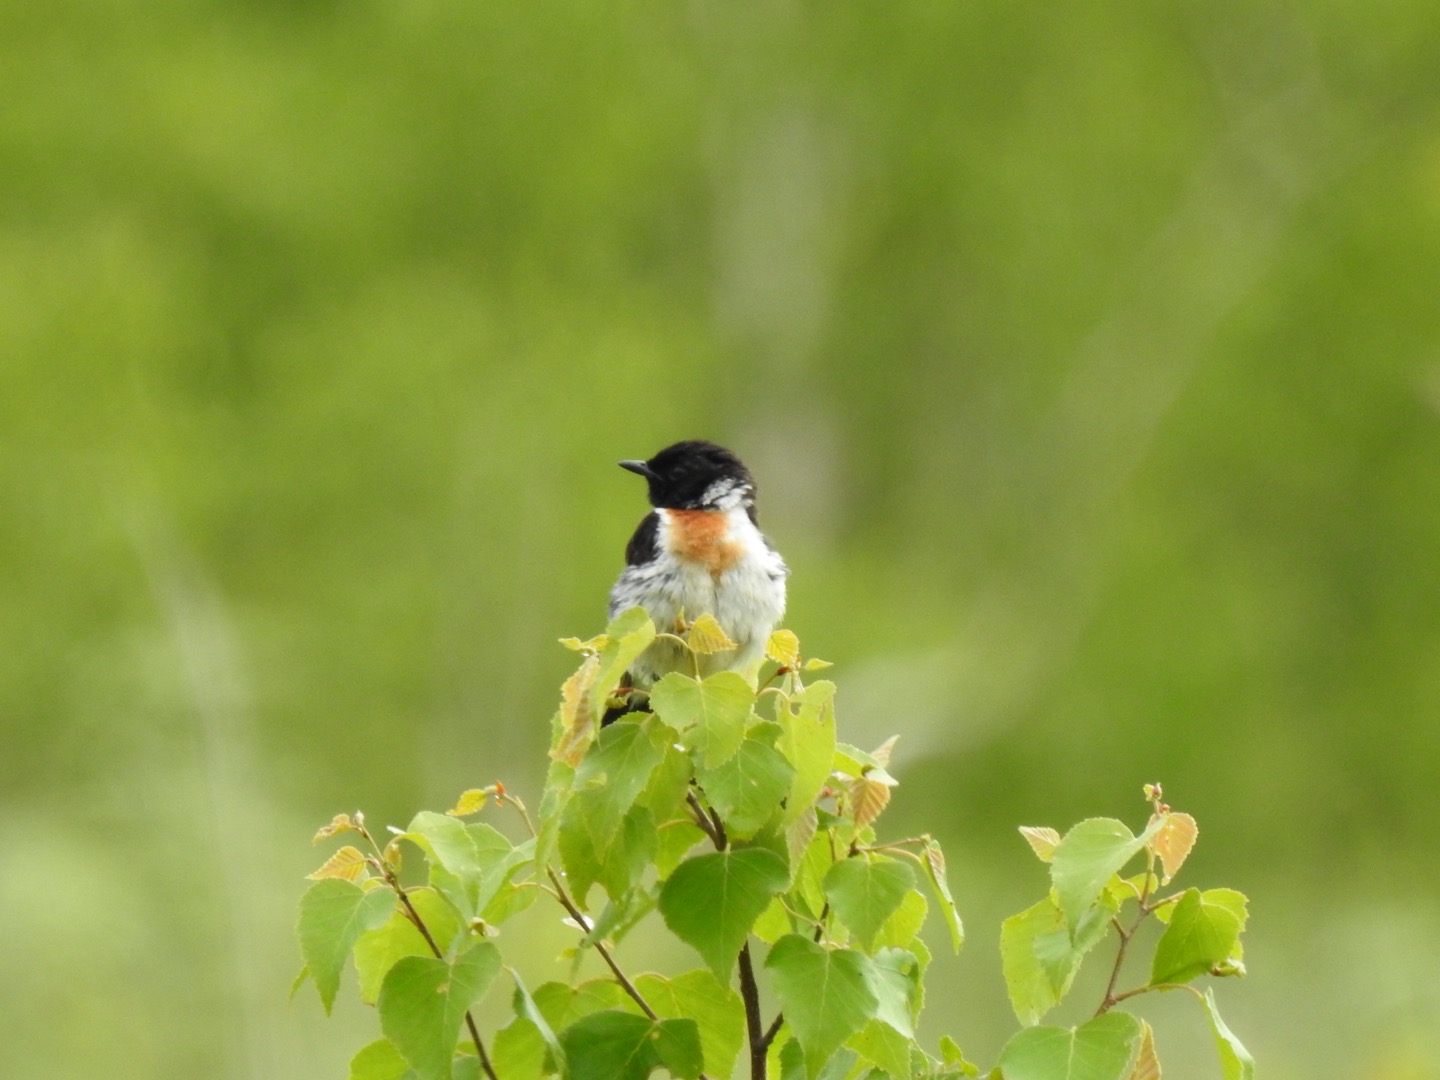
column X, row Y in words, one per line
column 750, row 993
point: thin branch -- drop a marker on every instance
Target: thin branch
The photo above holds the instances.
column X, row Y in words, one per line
column 702, row 819
column 414, row 917
column 620, row 977
column 750, row 993
column 1125, row 937
column 772, row 1031
column 1136, row 991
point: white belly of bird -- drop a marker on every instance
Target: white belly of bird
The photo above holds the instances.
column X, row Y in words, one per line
column 747, row 599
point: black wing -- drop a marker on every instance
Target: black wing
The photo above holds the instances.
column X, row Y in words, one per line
column 644, row 545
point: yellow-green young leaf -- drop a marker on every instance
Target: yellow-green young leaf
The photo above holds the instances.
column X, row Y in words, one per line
column 577, row 713
column 882, row 752
column 707, row 636
column 379, row 1061
column 347, row 863
column 868, row 799
column 784, row 648
column 816, row 664
column 1042, row 840
column 340, row 823
column 470, row 802
column 333, row 914
column 934, row 858
column 863, row 893
column 711, row 901
column 710, row 715
column 1204, row 932
column 715, row 1008
column 616, row 1045
column 423, row 1001
column 954, row 1060
column 808, row 741
column 1172, row 843
column 1147, row 1065
column 628, row 635
column 593, row 645
column 798, row 836
column 1235, row 1061
column 1102, row 1049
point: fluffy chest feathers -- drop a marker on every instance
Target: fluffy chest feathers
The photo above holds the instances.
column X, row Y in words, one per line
column 699, row 561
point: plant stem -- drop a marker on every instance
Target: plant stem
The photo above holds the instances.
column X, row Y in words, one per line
column 1111, row 998
column 750, row 992
column 414, row 917
column 702, row 819
column 620, row 977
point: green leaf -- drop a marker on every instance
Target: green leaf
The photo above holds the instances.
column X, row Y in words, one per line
column 333, row 914
column 469, row 863
column 885, row 1048
column 1101, row 1049
column 1061, row 950
column 791, row 1059
column 1041, row 958
column 676, row 839
column 864, row 893
column 955, row 1060
column 808, row 741
column 934, row 860
column 607, row 783
column 521, row 1047
column 893, row 976
column 423, row 1002
column 711, row 901
column 1085, row 860
column 710, row 715
column 1204, row 931
column 748, row 788
column 380, row 1061
column 378, row 950
column 824, row 993
column 715, row 1008
column 628, row 635
column 903, row 925
column 617, row 866
column 615, row 1045
column 1032, row 994
column 1235, row 1061
column 665, row 795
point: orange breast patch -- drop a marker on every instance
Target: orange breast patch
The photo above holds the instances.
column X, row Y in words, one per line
column 702, row 536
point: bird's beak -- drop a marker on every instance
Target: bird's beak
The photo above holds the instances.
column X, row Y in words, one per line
column 639, row 467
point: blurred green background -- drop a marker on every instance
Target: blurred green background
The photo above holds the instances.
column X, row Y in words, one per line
column 1088, row 356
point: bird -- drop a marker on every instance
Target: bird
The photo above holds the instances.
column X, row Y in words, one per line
column 699, row 550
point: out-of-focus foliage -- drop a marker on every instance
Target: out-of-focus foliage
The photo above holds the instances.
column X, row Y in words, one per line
column 1088, row 356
